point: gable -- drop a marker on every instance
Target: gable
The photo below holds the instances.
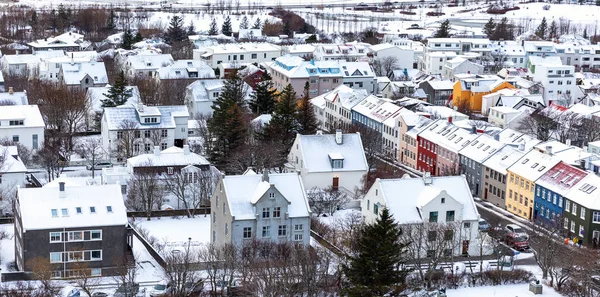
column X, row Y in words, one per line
column 270, row 194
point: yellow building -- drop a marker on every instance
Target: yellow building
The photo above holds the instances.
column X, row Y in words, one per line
column 468, row 92
column 521, row 177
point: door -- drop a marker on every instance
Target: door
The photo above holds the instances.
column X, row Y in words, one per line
column 336, row 183
column 465, row 247
column 485, row 194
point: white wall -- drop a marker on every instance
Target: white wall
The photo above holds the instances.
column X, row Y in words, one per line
column 25, row 135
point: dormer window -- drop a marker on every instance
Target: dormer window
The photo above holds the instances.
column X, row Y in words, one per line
column 336, row 160
column 64, row 212
column 78, row 210
column 54, row 213
column 16, row 123
column 92, row 209
column 109, row 208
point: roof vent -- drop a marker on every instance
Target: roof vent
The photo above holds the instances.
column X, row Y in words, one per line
column 427, row 180
column 338, row 136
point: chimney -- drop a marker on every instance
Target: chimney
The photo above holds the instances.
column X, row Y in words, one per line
column 450, row 119
column 473, row 130
column 61, row 190
column 186, row 149
column 338, row 136
column 157, row 150
column 549, row 150
column 265, row 176
column 11, row 90
column 497, row 137
column 522, row 146
column 427, row 178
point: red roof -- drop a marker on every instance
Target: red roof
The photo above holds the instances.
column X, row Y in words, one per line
column 561, row 177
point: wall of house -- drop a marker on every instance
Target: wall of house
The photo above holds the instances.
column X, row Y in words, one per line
column 496, row 180
column 220, row 217
column 25, row 135
column 544, row 209
column 574, row 221
column 405, row 57
column 322, row 180
column 472, row 172
column 427, row 157
column 520, row 196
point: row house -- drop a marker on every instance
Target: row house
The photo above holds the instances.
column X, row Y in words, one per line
column 472, row 158
column 349, row 52
column 581, row 211
column 469, row 91
column 550, row 191
column 438, row 148
column 132, row 130
column 495, row 173
column 251, row 52
column 321, row 76
column 411, row 125
column 338, row 106
column 379, row 115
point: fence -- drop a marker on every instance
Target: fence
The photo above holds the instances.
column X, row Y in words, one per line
column 149, row 248
column 168, row 213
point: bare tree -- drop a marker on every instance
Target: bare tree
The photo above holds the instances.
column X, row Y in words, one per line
column 589, row 131
column 145, row 192
column 538, row 124
column 91, row 150
column 315, row 198
column 125, row 276
column 127, row 139
column 547, row 245
column 84, row 279
column 42, row 271
column 385, row 66
column 181, row 271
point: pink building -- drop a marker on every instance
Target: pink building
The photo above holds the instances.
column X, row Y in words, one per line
column 322, row 76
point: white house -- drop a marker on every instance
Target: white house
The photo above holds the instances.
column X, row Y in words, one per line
column 14, row 98
column 404, row 56
column 81, row 76
column 507, row 117
column 429, row 202
column 200, row 95
column 95, row 95
column 345, row 52
column 304, row 51
column 251, row 52
column 27, row 64
column 338, row 106
column 69, row 41
column 184, row 69
column 12, row 175
column 433, row 62
column 560, row 84
column 135, row 129
column 329, row 160
column 359, row 76
column 23, row 124
column 50, row 68
column 460, row 65
column 144, row 65
column 270, row 207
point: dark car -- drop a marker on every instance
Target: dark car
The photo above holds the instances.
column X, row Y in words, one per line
column 517, row 241
column 127, row 290
column 484, row 226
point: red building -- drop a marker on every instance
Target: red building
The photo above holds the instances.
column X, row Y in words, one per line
column 427, row 154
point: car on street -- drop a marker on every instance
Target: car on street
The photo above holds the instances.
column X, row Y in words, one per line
column 484, row 226
column 512, row 228
column 517, row 241
column 160, row 289
column 98, row 165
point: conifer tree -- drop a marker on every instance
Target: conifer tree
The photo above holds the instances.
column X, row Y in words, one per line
column 118, row 93
column 138, row 37
column 244, row 23
column 175, row 33
column 283, row 124
column 307, row 122
column 553, row 31
column 110, row 23
column 585, row 34
column 263, row 98
column 127, row 40
column 489, row 28
column 444, row 30
column 373, row 270
column 541, row 29
column 226, row 28
column 191, row 29
column 228, row 125
column 213, row 28
column 501, row 31
column 258, row 24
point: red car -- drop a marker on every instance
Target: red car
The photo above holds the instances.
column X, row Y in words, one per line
column 517, row 241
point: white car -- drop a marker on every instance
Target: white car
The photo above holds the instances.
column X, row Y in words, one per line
column 513, row 228
column 160, row 289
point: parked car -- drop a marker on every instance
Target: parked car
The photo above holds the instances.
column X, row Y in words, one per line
column 99, row 294
column 127, row 290
column 484, row 226
column 160, row 289
column 194, row 289
column 99, row 165
column 517, row 241
column 512, row 228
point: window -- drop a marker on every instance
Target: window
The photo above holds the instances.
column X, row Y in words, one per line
column 431, row 235
column 566, row 226
column 55, row 257
column 282, row 231
column 15, row 138
column 54, row 213
column 75, row 235
column 247, row 232
column 169, row 170
column 582, row 212
column 92, row 209
column 448, row 234
column 34, row 141
column 266, row 231
column 147, row 133
column 226, row 228
column 55, row 237
column 574, row 209
column 109, row 208
column 74, row 256
column 78, row 210
column 277, row 212
column 64, row 212
column 596, row 217
column 467, row 225
column 443, row 200
column 96, row 255
column 376, row 209
column 433, row 216
column 95, row 234
column 164, row 133
column 572, row 226
column 266, row 212
column 450, row 216
column 298, row 227
column 254, row 56
column 567, row 205
column 96, row 272
column 298, row 237
column 271, row 195
column 581, row 231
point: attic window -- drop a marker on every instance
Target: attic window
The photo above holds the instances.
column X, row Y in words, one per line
column 504, row 158
column 64, row 212
column 54, row 213
column 542, row 168
column 271, row 195
column 78, row 210
column 92, row 209
column 525, row 161
column 557, row 174
column 108, row 208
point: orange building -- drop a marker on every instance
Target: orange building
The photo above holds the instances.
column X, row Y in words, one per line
column 468, row 92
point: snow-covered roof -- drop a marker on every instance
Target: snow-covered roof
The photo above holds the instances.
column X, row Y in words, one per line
column 23, row 59
column 533, row 165
column 447, row 135
column 354, row 69
column 201, row 89
column 347, row 96
column 11, row 162
column 299, row 49
column 296, row 67
column 316, row 149
column 515, row 138
column 36, row 206
column 405, row 197
column 74, row 73
column 67, row 39
column 547, row 60
column 244, row 190
column 97, row 94
column 586, row 192
column 149, row 62
column 172, row 156
column 16, row 98
column 481, row 148
column 262, row 120
column 29, row 114
column 561, row 178
column 186, row 69
column 376, row 108
column 441, row 84
column 505, row 157
column 247, row 47
column 116, row 115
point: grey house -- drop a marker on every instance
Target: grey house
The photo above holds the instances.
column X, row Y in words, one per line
column 472, row 157
column 264, row 207
column 437, row 92
column 74, row 228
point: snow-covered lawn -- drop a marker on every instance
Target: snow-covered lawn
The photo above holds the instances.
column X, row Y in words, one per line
column 175, row 232
column 338, row 216
column 519, row 290
column 7, row 247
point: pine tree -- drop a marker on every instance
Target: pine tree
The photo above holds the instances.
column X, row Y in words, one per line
column 110, row 23
column 244, row 23
column 175, row 33
column 307, row 122
column 226, row 28
column 228, row 125
column 373, row 270
column 118, row 93
column 283, row 124
column 127, row 40
column 585, row 34
column 444, row 30
column 138, row 37
column 501, row 31
column 597, row 2
column 541, row 29
column 258, row 23
column 213, row 28
column 553, row 32
column 489, row 28
column 191, row 29
column 263, row 98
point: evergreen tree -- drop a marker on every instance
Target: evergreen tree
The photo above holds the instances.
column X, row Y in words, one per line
column 585, row 34
column 307, row 122
column 127, row 40
column 489, row 28
column 110, row 23
column 283, row 124
column 175, row 33
column 191, row 29
column 228, row 125
column 258, row 23
column 213, row 28
column 63, row 17
column 263, row 98
column 244, row 23
column 541, row 29
column 444, row 30
column 597, row 2
column 118, row 93
column 373, row 270
column 54, row 20
column 553, row 32
column 226, row 28
column 138, row 37
column 501, row 31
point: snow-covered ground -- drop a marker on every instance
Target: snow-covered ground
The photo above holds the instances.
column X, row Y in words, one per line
column 176, row 233
column 7, row 247
column 338, row 216
column 519, row 290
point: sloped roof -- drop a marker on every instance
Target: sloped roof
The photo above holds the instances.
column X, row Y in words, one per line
column 586, row 192
column 149, row 62
column 243, row 190
column 481, row 148
column 167, row 157
column 30, row 114
column 505, row 157
column 533, row 165
column 316, row 149
column 11, row 163
column 347, row 96
column 73, row 73
column 183, row 68
column 116, row 115
column 561, row 178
